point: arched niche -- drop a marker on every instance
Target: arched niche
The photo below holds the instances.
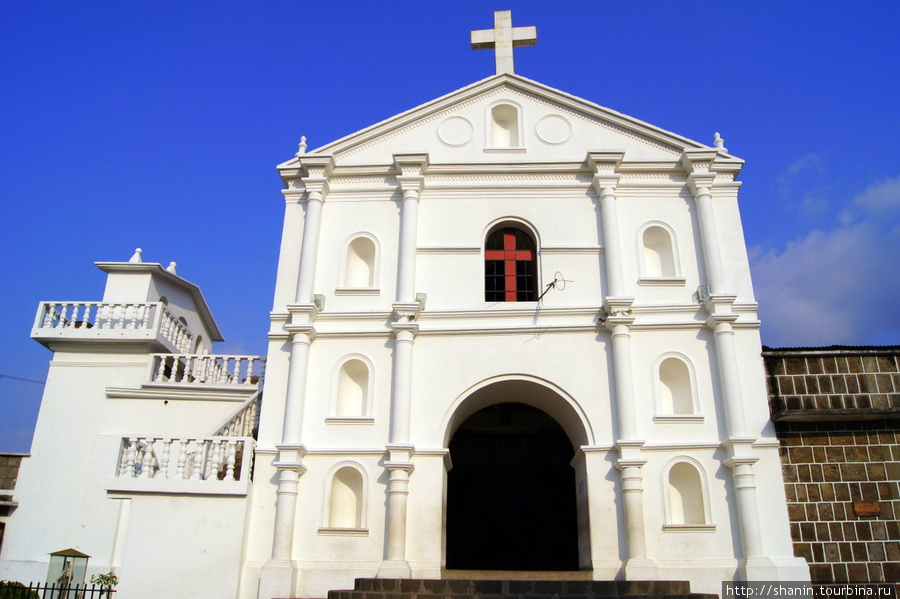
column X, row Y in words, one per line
column 352, row 387
column 345, row 498
column 686, row 497
column 676, row 395
column 359, row 263
column 658, row 252
column 504, row 126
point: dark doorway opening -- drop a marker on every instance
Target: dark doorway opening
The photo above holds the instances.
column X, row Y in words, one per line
column 511, row 493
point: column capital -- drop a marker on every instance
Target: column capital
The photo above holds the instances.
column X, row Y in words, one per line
column 405, row 313
column 616, row 312
column 630, row 452
column 700, row 184
column 290, row 457
column 605, row 162
column 720, row 310
column 317, row 169
column 605, row 167
column 399, row 457
column 302, row 314
column 411, row 177
column 316, row 165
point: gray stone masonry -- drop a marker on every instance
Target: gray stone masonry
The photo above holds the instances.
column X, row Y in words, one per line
column 837, row 417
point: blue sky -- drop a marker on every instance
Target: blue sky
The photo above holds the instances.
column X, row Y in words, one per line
column 159, row 124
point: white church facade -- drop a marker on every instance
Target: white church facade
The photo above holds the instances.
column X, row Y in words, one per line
column 512, row 330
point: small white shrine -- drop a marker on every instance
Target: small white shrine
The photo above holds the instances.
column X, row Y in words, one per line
column 512, row 330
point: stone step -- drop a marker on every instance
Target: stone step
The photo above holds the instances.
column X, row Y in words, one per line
column 388, row 588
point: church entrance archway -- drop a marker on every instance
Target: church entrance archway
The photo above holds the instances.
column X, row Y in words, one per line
column 511, row 492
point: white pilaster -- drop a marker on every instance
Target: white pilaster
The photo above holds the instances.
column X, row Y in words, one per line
column 604, row 165
column 316, row 184
column 278, row 576
column 618, row 322
column 701, row 175
column 411, row 179
column 399, row 465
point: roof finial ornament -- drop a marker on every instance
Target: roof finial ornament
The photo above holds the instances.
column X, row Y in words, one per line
column 301, row 147
column 720, row 143
column 503, row 38
column 137, row 255
column 171, row 268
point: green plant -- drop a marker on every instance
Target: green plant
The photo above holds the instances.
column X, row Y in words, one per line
column 107, row 581
column 16, row 590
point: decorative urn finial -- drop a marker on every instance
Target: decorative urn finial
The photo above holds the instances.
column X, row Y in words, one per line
column 171, row 268
column 720, row 143
column 301, row 147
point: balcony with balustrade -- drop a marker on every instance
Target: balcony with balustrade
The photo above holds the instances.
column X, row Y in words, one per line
column 104, row 322
column 219, row 463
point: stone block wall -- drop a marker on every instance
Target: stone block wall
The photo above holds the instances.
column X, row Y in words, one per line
column 837, row 416
column 9, row 469
column 9, row 472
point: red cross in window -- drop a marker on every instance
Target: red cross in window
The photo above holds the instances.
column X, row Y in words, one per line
column 510, row 256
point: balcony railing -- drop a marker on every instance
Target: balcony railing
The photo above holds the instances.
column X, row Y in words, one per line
column 99, row 320
column 211, row 459
column 208, row 369
column 244, row 421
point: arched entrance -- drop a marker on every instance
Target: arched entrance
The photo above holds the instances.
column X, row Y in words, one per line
column 511, row 493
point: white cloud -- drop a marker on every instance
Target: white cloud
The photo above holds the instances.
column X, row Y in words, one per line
column 879, row 200
column 839, row 286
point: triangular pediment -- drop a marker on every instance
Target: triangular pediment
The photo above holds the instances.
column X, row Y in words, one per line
column 534, row 123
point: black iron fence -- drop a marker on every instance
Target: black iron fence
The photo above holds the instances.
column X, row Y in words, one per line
column 17, row 590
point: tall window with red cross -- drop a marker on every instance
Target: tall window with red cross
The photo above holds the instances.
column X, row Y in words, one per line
column 510, row 267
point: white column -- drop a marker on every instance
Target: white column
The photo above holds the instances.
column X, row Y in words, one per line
column 296, row 385
column 401, row 399
column 739, row 445
column 406, row 267
column 309, row 251
column 399, row 450
column 700, row 165
column 618, row 321
column 622, row 375
column 629, row 464
column 399, row 464
column 726, row 356
column 604, row 165
column 631, row 479
column 747, row 508
column 410, row 180
column 278, row 576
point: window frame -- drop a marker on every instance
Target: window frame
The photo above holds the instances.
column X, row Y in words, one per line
column 493, row 271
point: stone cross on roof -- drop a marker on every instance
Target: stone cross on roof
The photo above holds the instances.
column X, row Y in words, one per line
column 503, row 38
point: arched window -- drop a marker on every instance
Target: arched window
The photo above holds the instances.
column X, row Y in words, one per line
column 346, row 499
column 658, row 255
column 686, row 495
column 510, row 266
column 352, row 395
column 676, row 395
column 359, row 263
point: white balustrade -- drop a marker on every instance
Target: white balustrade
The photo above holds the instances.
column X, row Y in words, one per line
column 243, row 422
column 98, row 319
column 196, row 458
column 198, row 369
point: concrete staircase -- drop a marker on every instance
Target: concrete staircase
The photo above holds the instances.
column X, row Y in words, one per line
column 558, row 586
